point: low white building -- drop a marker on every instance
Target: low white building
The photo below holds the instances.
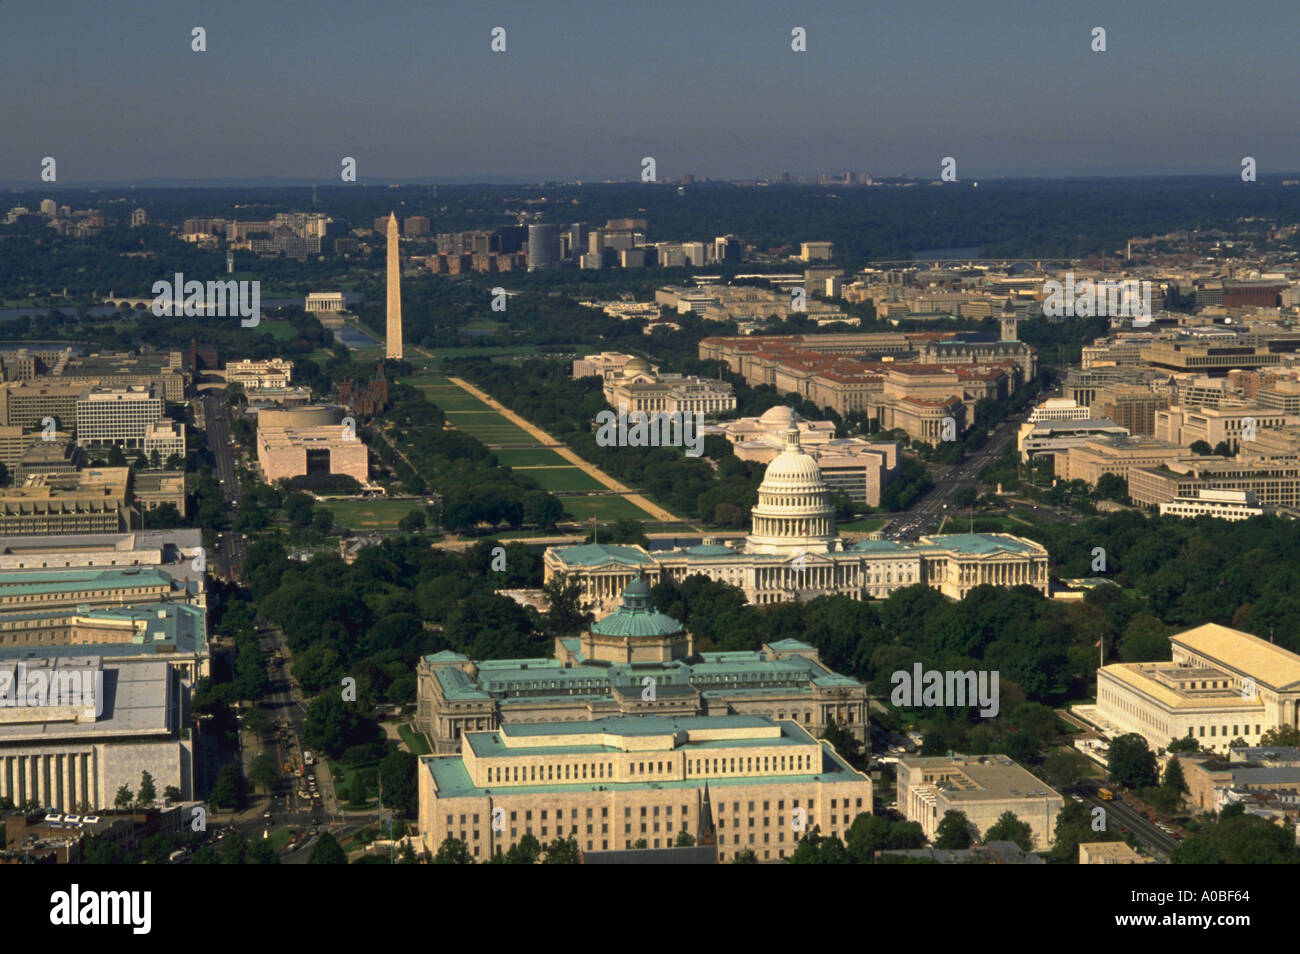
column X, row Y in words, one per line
column 167, row 437
column 1059, row 409
column 1224, row 504
column 981, row 787
column 325, row 301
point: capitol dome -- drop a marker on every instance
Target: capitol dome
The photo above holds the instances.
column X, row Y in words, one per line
column 794, row 512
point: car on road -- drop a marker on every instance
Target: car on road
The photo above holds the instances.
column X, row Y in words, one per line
column 266, row 815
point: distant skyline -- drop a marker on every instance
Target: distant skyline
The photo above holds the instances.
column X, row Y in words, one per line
column 413, row 91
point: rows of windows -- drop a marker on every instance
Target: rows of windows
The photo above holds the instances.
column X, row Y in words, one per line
column 579, row 771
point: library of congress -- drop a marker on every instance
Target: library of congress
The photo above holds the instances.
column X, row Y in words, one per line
column 636, row 661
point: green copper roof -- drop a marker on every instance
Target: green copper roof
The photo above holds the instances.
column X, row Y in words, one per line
column 637, row 617
column 710, row 549
column 599, row 554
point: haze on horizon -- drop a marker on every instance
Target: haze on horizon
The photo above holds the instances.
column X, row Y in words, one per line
column 413, row 90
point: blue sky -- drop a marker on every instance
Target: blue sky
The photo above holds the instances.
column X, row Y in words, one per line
column 287, row 88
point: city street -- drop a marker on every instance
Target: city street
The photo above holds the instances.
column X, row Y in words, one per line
column 230, row 546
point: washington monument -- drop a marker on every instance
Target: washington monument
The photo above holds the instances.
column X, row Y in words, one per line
column 394, row 292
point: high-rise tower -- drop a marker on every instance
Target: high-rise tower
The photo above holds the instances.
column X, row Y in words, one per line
column 394, row 292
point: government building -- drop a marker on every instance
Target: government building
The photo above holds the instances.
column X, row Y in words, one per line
column 794, row 553
column 759, row 784
column 634, row 662
column 1221, row 685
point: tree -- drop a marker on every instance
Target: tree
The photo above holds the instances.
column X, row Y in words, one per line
column 327, row 851
column 1132, row 764
column 953, row 832
column 165, row 516
column 358, row 795
column 155, row 459
column 1173, row 779
column 234, row 849
column 102, row 852
column 1065, row 768
column 115, row 457
column 684, row 839
column 322, row 521
column 148, row 794
column 562, row 851
column 526, row 851
column 171, row 794
column 124, row 797
column 261, row 853
column 1010, row 828
column 407, row 855
column 1184, row 743
column 1111, row 487
column 1197, row 850
column 264, row 774
column 1282, row 736
column 1076, row 823
column 331, row 724
column 542, row 510
column 564, row 614
column 843, row 742
column 453, row 851
column 397, row 777
column 1202, row 448
column 257, row 720
column 412, row 521
column 745, row 856
column 228, row 789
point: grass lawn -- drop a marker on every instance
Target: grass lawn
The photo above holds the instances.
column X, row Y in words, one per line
column 602, row 508
column 489, row 427
column 561, row 479
column 417, row 742
column 539, row 457
column 865, row 525
column 370, row 514
column 280, row 330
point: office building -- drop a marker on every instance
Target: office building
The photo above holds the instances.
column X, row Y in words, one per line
column 543, row 247
column 89, row 501
column 981, row 787
column 61, row 455
column 1224, row 504
column 166, row 439
column 27, row 404
column 117, row 416
column 76, row 758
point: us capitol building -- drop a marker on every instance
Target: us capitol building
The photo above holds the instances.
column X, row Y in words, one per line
column 794, row 553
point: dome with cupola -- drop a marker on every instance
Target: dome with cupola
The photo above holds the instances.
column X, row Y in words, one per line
column 637, row 632
column 794, row 512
